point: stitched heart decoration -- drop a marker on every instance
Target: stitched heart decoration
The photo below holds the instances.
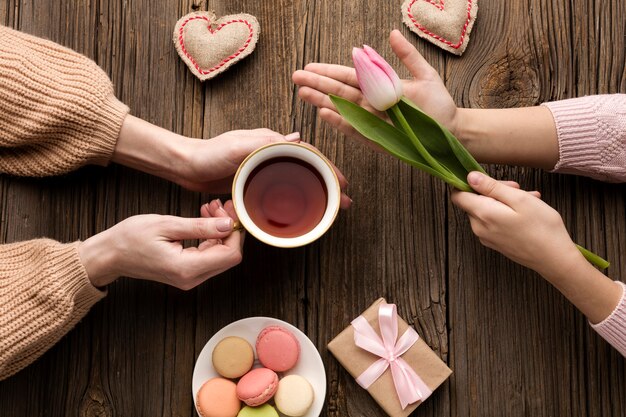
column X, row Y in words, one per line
column 446, row 23
column 209, row 46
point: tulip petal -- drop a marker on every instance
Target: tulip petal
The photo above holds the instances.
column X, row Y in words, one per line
column 384, row 65
column 375, row 85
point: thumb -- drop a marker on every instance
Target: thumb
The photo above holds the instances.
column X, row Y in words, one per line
column 179, row 228
column 409, row 55
column 487, row 186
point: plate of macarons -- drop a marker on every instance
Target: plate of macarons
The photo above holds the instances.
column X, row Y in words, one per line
column 259, row 367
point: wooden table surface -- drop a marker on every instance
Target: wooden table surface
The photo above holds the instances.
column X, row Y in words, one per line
column 515, row 345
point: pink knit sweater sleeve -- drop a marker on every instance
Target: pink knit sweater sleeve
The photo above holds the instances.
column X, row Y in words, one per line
column 613, row 328
column 591, row 133
column 592, row 136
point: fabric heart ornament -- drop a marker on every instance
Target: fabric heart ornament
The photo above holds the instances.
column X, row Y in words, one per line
column 209, row 46
column 446, row 23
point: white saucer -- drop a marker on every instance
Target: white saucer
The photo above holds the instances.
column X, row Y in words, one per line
column 309, row 365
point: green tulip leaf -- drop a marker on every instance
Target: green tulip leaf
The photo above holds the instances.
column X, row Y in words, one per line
column 392, row 140
column 438, row 140
column 433, row 141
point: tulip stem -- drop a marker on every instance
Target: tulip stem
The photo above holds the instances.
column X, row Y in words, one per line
column 434, row 164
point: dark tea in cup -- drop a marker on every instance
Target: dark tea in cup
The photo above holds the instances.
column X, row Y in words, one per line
column 286, row 194
column 285, row 197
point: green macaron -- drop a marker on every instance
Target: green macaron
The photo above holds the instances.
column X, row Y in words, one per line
column 265, row 410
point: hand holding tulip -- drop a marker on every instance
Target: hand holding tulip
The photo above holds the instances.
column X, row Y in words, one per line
column 512, row 221
column 523, row 136
column 414, row 137
column 425, row 88
column 528, row 231
column 517, row 224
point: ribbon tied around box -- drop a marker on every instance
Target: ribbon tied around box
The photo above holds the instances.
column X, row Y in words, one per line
column 409, row 386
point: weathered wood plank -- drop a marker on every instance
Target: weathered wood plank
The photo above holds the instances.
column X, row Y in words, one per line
column 515, row 345
column 378, row 248
column 535, row 51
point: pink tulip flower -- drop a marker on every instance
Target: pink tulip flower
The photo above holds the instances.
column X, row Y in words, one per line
column 379, row 83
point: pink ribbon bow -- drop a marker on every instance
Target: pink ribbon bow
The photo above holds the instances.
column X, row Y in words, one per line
column 409, row 385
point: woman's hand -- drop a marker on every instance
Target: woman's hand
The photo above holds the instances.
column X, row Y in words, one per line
column 150, row 247
column 523, row 228
column 196, row 164
column 426, row 89
column 517, row 224
column 521, row 136
column 211, row 164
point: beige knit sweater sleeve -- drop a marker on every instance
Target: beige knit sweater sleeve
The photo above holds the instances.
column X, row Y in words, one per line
column 57, row 108
column 44, row 292
column 57, row 113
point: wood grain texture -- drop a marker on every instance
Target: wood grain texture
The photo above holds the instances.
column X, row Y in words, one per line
column 516, row 347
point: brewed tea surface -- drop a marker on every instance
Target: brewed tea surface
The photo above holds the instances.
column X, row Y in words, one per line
column 285, row 197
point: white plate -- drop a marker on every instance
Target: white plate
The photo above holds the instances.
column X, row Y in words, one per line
column 309, row 365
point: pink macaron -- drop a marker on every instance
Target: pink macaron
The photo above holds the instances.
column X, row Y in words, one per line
column 257, row 386
column 277, row 348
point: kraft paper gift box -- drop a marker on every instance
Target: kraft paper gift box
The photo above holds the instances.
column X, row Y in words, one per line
column 427, row 365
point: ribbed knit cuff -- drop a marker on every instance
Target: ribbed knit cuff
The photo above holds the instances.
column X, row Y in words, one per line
column 613, row 328
column 576, row 127
column 591, row 136
column 72, row 282
column 104, row 140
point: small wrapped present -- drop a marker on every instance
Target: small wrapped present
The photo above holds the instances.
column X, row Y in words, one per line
column 399, row 372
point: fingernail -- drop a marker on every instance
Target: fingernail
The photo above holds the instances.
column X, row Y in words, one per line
column 474, row 178
column 219, row 203
column 224, row 225
column 222, row 212
column 293, row 137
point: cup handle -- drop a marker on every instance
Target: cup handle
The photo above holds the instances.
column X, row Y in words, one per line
column 237, row 226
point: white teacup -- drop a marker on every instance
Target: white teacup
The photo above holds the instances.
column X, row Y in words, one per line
column 292, row 150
